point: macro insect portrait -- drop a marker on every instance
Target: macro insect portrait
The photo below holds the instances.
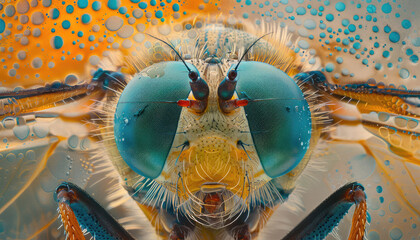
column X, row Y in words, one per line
column 209, row 119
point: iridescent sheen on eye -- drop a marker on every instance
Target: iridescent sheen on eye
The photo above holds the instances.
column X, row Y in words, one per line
column 147, row 116
column 278, row 115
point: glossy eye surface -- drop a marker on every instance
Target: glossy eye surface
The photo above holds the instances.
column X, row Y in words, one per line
column 145, row 123
column 278, row 115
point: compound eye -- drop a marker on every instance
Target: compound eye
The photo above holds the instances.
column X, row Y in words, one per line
column 279, row 119
column 146, row 117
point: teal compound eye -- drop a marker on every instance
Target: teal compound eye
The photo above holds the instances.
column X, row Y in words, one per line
column 278, row 116
column 146, row 117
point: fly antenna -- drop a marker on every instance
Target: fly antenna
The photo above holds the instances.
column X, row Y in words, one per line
column 169, row 45
column 199, row 87
column 249, row 48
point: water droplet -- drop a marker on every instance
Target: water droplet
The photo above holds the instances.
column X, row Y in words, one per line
column 40, row 131
column 329, row 17
column 340, row 6
column 394, row 37
column 371, row 8
column 73, row 141
column 82, row 3
column 85, row 144
column 303, row 44
column 373, row 235
column 406, row 24
column 114, row 4
column 386, row 8
column 11, row 157
column 21, row 132
column 329, row 67
column 404, row 73
column 363, row 166
column 114, row 23
column 30, row 155
column 395, row 233
column 394, row 207
column 300, row 11
column 9, row 123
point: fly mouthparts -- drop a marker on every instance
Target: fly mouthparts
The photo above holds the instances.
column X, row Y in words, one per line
column 213, row 187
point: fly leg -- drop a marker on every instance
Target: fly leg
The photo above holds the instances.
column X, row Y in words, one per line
column 366, row 96
column 23, row 101
column 387, row 112
column 321, row 221
column 79, row 211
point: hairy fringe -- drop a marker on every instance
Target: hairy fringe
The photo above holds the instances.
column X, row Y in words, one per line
column 275, row 49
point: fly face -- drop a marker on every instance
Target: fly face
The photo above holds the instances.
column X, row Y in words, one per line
column 214, row 132
column 218, row 168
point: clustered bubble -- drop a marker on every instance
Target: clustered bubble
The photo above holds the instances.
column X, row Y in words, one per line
column 38, row 33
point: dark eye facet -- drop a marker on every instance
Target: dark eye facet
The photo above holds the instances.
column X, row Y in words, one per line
column 193, row 75
column 232, row 75
column 278, row 116
column 146, row 117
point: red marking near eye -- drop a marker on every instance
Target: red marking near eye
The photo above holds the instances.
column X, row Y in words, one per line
column 241, row 103
column 183, row 103
column 198, row 106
